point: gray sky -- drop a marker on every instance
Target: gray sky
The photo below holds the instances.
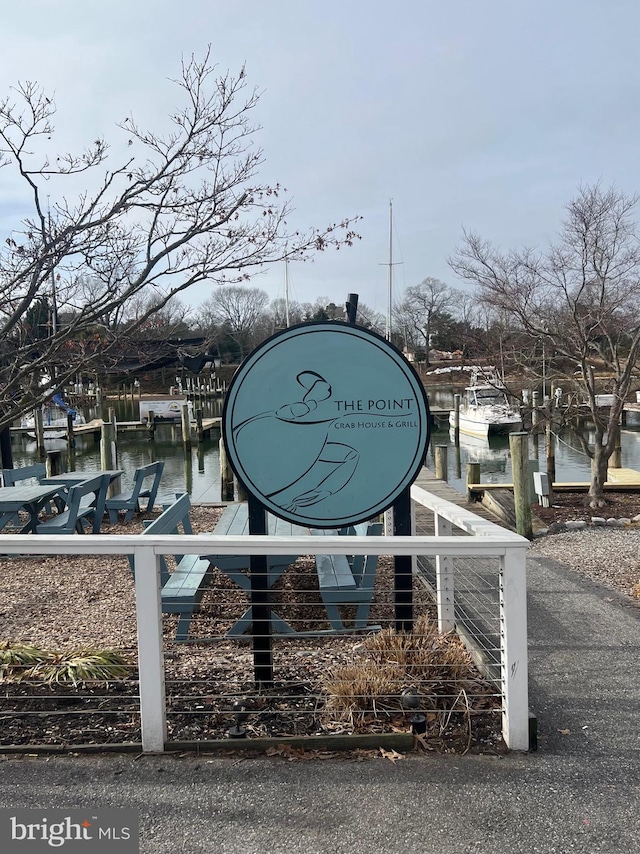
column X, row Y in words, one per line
column 485, row 114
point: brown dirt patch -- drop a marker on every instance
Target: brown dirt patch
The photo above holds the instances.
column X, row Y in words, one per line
column 570, row 506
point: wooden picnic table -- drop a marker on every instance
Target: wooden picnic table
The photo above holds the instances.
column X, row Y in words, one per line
column 66, row 480
column 235, row 522
column 31, row 499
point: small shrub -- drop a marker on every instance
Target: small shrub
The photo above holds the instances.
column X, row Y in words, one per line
column 364, row 687
column 84, row 665
column 436, row 665
column 18, row 662
column 424, row 654
column 15, row 659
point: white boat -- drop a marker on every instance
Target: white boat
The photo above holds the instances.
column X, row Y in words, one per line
column 483, row 449
column 485, row 409
column 54, row 414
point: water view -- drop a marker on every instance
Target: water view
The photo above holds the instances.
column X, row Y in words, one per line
column 198, row 471
column 493, row 454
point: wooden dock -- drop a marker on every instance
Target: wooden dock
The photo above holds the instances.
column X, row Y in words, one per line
column 94, row 427
column 440, row 414
column 424, row 518
column 618, row 480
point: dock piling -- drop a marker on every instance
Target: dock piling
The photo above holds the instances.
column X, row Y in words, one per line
column 456, row 418
column 519, row 447
column 71, row 440
column 473, row 476
column 616, row 457
column 441, row 461
column 109, row 454
column 186, row 426
column 226, row 474
column 54, row 463
column 39, row 425
column 550, row 450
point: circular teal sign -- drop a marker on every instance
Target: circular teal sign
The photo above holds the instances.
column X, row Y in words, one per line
column 326, row 424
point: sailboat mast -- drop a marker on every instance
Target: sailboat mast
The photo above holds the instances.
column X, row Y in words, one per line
column 390, row 280
column 286, row 291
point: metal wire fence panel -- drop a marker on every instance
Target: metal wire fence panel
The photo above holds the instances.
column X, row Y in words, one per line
column 476, row 609
column 68, row 652
column 339, row 664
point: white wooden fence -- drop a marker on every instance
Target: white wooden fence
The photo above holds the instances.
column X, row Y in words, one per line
column 480, row 539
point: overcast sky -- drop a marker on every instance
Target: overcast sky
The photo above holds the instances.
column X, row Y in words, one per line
column 483, row 114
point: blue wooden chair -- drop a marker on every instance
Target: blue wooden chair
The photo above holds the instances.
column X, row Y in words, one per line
column 146, row 481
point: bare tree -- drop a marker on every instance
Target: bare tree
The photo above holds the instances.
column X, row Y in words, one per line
column 579, row 298
column 180, row 207
column 237, row 309
column 370, row 318
column 420, row 304
column 279, row 311
column 169, row 320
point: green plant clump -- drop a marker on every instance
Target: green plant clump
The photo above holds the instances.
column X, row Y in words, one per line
column 19, row 662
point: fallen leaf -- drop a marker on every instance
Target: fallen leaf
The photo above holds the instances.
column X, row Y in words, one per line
column 422, row 741
column 564, row 731
column 391, row 755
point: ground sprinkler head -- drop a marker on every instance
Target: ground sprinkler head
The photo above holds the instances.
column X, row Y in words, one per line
column 241, row 714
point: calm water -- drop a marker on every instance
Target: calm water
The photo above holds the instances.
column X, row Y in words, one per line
column 198, row 471
column 495, row 461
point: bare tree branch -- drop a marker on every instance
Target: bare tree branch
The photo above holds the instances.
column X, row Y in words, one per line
column 580, row 297
column 182, row 207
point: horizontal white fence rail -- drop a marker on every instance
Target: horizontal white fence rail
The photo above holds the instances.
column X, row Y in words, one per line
column 487, row 540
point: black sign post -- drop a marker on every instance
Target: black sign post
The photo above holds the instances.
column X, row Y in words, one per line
column 261, row 610
column 403, row 574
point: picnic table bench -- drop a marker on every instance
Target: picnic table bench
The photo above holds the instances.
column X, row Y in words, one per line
column 348, row 580
column 183, row 588
column 235, row 522
column 31, row 499
column 79, row 512
column 68, row 479
column 12, row 477
column 342, row 579
column 146, row 481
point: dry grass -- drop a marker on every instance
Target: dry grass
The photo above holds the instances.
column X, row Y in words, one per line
column 434, row 665
column 76, row 666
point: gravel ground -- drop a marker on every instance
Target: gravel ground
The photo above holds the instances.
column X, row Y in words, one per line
column 609, row 556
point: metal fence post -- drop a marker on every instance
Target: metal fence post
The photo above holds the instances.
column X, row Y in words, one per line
column 150, row 654
column 513, row 640
column 445, row 596
column 414, row 531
